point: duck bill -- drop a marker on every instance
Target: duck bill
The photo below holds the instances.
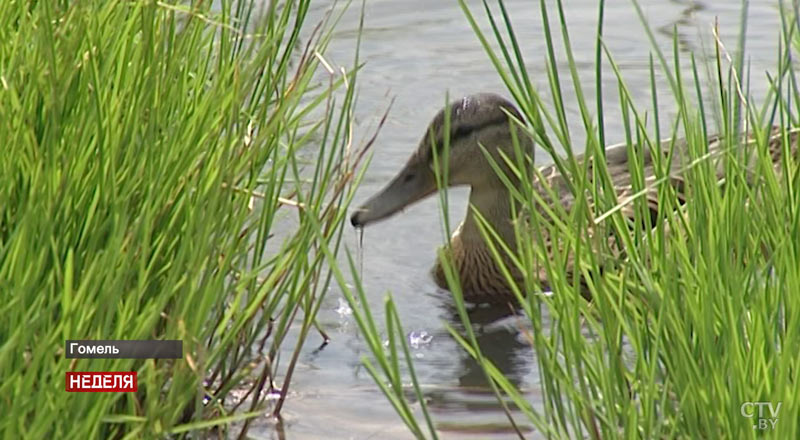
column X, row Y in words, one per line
column 413, row 183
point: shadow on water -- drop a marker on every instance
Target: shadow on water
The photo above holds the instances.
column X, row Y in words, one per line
column 497, row 330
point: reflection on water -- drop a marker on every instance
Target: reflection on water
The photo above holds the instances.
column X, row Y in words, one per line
column 685, row 21
column 416, row 52
column 497, row 332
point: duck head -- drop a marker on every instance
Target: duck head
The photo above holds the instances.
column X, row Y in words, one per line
column 474, row 121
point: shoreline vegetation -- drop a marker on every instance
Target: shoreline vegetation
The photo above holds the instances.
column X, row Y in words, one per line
column 149, row 150
column 152, row 148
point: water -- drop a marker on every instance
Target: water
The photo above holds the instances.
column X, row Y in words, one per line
column 417, row 51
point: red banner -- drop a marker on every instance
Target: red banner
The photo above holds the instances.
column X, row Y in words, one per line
column 95, row 382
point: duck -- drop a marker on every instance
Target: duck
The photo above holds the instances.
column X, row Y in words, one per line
column 487, row 124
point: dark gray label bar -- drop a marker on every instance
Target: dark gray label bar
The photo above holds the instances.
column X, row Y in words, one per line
column 111, row 349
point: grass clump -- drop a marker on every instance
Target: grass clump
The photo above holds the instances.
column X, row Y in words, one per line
column 150, row 150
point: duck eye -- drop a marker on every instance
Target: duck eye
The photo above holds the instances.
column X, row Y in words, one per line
column 408, row 177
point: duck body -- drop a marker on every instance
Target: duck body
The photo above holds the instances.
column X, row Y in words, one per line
column 492, row 122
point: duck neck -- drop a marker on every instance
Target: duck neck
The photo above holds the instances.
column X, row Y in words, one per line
column 473, row 259
column 493, row 202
